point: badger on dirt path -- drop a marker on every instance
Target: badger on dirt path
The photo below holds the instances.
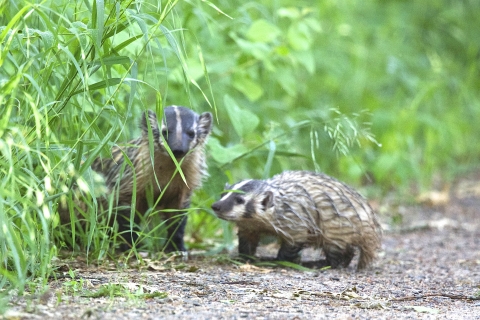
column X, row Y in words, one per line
column 303, row 209
column 151, row 173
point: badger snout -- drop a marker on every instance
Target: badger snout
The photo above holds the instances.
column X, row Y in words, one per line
column 179, row 153
column 179, row 147
column 222, row 211
column 216, row 207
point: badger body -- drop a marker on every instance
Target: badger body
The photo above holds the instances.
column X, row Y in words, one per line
column 303, row 209
column 153, row 175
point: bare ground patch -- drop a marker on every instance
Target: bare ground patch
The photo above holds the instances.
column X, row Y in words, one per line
column 429, row 268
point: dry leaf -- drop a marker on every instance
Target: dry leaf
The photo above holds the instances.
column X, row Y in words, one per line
column 435, row 198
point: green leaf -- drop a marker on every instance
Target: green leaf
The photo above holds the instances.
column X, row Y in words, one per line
column 263, row 31
column 299, row 36
column 258, row 50
column 126, row 43
column 286, row 80
column 313, row 23
column 216, row 8
column 248, row 87
column 101, row 85
column 112, row 60
column 6, row 31
column 293, row 265
column 291, row 12
column 224, row 155
column 6, row 90
column 98, row 14
column 306, row 59
column 243, row 120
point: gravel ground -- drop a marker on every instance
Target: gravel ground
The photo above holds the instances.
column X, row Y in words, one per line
column 429, row 268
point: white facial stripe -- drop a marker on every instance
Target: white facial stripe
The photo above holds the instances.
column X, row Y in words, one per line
column 195, row 125
column 237, row 186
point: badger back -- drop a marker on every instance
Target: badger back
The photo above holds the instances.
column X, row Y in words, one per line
column 326, row 202
column 330, row 210
column 181, row 129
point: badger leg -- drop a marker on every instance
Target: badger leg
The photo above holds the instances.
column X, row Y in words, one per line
column 130, row 235
column 177, row 222
column 175, row 232
column 247, row 244
column 337, row 257
column 288, row 252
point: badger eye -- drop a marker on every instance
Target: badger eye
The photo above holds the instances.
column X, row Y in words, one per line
column 239, row 200
column 191, row 134
column 165, row 133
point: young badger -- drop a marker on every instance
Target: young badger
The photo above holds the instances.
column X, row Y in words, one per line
column 185, row 133
column 303, row 209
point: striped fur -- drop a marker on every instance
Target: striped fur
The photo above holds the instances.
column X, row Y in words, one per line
column 185, row 133
column 303, row 209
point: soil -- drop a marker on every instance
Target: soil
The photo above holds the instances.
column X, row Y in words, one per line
column 428, row 268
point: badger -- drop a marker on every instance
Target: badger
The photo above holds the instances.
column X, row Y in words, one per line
column 144, row 173
column 303, row 209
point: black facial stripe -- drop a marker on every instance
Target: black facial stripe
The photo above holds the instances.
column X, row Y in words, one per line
column 249, row 209
column 188, row 117
column 247, row 187
column 226, row 206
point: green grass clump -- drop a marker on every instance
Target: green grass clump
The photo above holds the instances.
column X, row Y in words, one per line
column 72, row 77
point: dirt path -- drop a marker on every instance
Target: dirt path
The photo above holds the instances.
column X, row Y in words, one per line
column 430, row 270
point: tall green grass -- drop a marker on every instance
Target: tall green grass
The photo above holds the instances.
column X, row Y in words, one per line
column 75, row 77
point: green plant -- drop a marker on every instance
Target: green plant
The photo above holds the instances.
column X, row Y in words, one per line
column 73, row 75
column 113, row 290
column 401, row 72
column 73, row 287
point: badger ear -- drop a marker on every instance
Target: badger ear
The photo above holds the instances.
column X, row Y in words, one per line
column 150, row 119
column 268, row 200
column 204, row 124
column 227, row 186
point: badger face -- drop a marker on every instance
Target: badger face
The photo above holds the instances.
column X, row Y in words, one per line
column 244, row 200
column 181, row 129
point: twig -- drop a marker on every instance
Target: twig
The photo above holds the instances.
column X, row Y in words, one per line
column 447, row 295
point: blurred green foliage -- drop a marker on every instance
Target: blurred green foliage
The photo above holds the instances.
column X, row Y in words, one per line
column 405, row 73
column 379, row 93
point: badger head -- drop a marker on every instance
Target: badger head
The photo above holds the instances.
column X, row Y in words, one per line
column 181, row 129
column 244, row 200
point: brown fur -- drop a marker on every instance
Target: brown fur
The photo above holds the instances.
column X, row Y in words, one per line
column 304, row 209
column 185, row 134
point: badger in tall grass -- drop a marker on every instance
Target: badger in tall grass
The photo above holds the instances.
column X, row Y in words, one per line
column 145, row 172
column 303, row 209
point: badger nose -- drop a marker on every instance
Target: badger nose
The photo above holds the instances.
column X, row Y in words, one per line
column 216, row 207
column 178, row 153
